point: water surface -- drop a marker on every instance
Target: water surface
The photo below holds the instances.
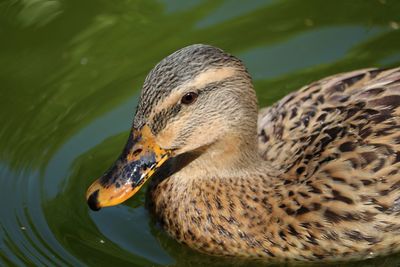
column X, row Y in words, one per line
column 70, row 75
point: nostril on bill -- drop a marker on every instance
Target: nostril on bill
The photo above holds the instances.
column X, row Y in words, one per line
column 93, row 201
column 137, row 152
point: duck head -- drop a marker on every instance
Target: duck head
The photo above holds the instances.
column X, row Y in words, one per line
column 197, row 100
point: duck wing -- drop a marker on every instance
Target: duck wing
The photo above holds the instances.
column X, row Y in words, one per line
column 337, row 142
column 322, row 121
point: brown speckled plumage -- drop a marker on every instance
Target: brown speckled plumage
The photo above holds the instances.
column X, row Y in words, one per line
column 336, row 195
column 323, row 185
column 337, row 145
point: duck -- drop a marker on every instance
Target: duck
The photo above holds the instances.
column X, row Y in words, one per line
column 314, row 177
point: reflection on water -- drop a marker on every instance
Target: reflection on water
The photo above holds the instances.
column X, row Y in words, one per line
column 38, row 12
column 70, row 74
column 229, row 10
column 302, row 52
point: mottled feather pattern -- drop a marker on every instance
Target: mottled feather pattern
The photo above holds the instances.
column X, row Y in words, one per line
column 338, row 142
column 332, row 191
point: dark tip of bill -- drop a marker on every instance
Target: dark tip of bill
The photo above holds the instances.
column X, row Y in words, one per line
column 93, row 202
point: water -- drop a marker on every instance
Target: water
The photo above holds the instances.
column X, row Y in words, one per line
column 70, row 75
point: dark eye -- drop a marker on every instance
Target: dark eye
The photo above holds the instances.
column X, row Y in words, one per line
column 189, row 98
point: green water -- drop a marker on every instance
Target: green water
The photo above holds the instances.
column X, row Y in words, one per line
column 70, row 75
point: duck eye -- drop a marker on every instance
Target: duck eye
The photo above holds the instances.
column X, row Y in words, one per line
column 189, row 98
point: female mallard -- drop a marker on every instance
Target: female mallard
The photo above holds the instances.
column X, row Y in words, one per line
column 314, row 177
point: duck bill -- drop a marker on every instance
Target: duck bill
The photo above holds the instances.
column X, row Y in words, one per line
column 137, row 163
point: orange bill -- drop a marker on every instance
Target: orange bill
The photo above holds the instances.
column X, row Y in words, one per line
column 137, row 163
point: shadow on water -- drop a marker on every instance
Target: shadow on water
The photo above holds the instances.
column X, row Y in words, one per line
column 70, row 75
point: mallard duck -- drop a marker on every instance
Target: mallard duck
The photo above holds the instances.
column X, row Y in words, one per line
column 313, row 177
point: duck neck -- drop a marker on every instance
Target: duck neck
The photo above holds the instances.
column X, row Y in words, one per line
column 229, row 156
column 211, row 199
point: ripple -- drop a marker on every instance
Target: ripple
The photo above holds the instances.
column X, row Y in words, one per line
column 26, row 236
